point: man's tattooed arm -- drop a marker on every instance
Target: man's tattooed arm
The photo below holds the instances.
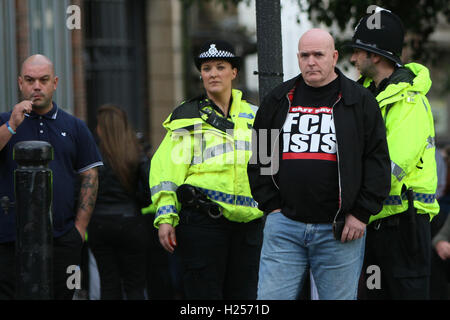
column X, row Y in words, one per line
column 88, row 196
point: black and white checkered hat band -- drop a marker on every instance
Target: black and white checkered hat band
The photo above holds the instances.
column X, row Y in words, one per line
column 216, row 54
column 217, row 50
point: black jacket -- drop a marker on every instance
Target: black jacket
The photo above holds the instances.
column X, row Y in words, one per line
column 363, row 157
column 114, row 199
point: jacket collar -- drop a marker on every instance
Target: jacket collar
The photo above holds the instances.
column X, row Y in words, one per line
column 346, row 86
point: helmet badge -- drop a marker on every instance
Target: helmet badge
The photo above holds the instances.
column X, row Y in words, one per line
column 213, row 50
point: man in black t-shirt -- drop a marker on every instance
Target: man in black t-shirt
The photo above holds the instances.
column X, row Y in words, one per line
column 334, row 169
column 309, row 152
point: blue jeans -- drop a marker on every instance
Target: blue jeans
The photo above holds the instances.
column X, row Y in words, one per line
column 291, row 248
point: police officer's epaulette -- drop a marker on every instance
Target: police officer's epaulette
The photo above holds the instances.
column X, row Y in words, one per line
column 253, row 106
column 186, row 110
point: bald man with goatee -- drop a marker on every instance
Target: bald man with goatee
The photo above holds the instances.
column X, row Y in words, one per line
column 334, row 173
column 38, row 118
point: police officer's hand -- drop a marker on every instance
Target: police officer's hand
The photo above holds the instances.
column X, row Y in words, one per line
column 353, row 229
column 167, row 237
column 443, row 249
column 18, row 113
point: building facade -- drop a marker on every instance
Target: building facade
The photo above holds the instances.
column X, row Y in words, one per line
column 126, row 53
column 138, row 55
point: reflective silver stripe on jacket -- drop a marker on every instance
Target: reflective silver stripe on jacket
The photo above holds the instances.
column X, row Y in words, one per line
column 164, row 186
column 397, row 171
column 431, row 142
column 242, row 145
column 425, row 105
column 254, row 108
column 220, row 150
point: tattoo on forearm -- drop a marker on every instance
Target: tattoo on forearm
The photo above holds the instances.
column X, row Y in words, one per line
column 88, row 192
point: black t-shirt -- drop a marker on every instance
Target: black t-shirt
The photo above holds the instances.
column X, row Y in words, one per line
column 308, row 175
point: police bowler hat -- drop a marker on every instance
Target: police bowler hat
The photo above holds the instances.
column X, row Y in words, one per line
column 382, row 34
column 217, row 50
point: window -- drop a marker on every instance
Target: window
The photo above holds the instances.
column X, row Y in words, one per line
column 49, row 36
column 115, row 54
column 8, row 65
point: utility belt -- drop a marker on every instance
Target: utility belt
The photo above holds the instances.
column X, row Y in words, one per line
column 393, row 221
column 388, row 222
column 192, row 197
column 406, row 222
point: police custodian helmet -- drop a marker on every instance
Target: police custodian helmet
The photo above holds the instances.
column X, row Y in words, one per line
column 217, row 50
column 383, row 35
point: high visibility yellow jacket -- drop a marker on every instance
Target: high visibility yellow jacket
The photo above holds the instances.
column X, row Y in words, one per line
column 411, row 140
column 197, row 153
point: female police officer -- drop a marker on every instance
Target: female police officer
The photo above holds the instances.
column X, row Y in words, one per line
column 199, row 185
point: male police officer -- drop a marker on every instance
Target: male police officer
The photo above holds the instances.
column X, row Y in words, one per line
column 398, row 238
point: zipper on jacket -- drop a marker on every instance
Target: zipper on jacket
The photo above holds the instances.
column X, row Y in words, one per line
column 338, row 161
column 278, row 137
column 337, row 153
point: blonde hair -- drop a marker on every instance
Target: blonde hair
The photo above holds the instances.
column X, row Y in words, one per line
column 118, row 144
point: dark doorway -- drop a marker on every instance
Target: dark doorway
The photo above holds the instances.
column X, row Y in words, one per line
column 115, row 58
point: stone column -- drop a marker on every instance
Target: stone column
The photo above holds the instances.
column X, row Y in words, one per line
column 165, row 72
column 22, row 32
column 79, row 85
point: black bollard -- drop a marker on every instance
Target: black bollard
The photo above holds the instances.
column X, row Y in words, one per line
column 34, row 243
